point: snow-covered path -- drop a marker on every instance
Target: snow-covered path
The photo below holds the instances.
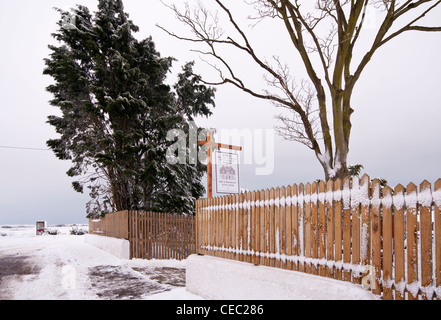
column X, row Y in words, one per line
column 65, row 267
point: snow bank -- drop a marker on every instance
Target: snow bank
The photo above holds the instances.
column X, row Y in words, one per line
column 220, row 279
column 171, row 263
column 120, row 248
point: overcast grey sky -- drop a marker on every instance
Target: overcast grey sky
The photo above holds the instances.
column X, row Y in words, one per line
column 396, row 131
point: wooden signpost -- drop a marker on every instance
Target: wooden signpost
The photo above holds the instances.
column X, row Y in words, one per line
column 209, row 143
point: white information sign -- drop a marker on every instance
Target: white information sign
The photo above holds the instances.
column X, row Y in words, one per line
column 227, row 172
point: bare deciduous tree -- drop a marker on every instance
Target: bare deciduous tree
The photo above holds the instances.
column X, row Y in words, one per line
column 325, row 34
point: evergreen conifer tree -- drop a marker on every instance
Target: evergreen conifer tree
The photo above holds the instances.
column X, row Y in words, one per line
column 116, row 110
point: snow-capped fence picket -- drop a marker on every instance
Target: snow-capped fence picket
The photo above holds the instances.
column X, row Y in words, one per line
column 354, row 230
column 151, row 235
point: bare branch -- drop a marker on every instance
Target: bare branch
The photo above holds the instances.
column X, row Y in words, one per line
column 293, row 127
column 410, row 26
column 390, row 18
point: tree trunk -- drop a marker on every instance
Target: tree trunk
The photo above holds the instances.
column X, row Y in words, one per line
column 336, row 166
column 337, row 169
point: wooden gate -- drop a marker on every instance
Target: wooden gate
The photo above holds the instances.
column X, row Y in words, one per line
column 161, row 236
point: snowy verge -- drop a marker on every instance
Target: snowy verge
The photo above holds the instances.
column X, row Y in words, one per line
column 171, row 263
column 120, row 248
column 220, row 279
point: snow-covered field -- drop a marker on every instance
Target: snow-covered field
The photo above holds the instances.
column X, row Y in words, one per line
column 65, row 267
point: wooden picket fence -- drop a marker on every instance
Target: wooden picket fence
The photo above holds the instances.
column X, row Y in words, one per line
column 112, row 225
column 151, row 235
column 161, row 236
column 388, row 240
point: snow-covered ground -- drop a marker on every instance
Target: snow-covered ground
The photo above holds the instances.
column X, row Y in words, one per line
column 65, row 267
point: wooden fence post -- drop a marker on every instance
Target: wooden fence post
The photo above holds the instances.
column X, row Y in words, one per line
column 346, row 197
column 398, row 201
column 283, row 226
column 387, row 244
column 289, row 227
column 314, row 228
column 376, row 237
column 355, row 217
column 262, row 226
column 295, row 225
column 276, row 229
column 365, row 244
column 437, row 202
column 322, row 227
column 301, row 227
column 330, row 227
column 425, row 201
column 411, row 199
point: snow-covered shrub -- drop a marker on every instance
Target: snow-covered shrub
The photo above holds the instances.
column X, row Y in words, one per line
column 77, row 231
column 52, row 232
